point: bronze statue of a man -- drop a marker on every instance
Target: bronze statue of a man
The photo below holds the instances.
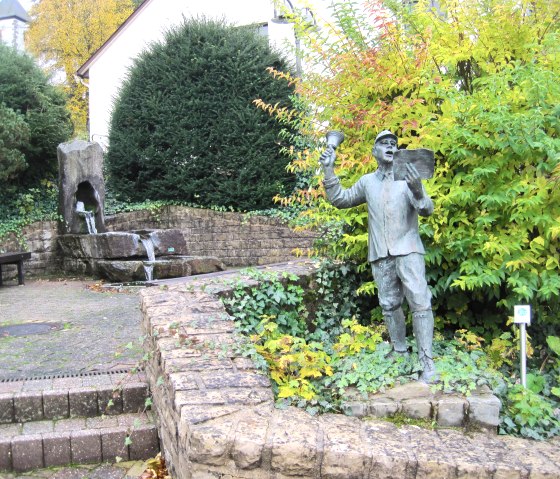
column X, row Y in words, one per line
column 395, row 250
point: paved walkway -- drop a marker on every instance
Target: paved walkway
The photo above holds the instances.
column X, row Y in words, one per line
column 123, row 470
column 87, row 329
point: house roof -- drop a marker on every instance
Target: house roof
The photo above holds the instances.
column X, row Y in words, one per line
column 83, row 71
column 13, row 9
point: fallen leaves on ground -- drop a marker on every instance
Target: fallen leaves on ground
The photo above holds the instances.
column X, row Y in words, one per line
column 156, row 469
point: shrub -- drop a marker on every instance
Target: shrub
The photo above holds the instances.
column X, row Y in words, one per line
column 29, row 102
column 477, row 83
column 184, row 126
column 14, row 133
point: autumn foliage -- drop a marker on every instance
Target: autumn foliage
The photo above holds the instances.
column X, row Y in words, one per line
column 477, row 82
column 65, row 34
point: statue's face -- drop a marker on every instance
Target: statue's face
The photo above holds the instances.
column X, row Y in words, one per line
column 384, row 150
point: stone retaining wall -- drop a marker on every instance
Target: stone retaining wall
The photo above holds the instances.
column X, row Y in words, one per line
column 235, row 238
column 216, row 414
column 40, row 239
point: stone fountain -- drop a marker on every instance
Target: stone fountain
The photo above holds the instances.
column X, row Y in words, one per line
column 88, row 248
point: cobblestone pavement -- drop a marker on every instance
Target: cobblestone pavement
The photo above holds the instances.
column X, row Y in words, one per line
column 89, row 327
column 123, row 470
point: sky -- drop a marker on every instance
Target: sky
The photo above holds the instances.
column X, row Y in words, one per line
column 26, row 4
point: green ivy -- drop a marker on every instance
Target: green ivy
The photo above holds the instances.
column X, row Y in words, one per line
column 529, row 414
column 278, row 296
column 27, row 206
column 317, row 341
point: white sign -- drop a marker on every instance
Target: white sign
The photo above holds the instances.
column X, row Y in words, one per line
column 522, row 314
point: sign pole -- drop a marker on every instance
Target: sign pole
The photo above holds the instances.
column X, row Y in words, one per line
column 523, row 355
column 522, row 317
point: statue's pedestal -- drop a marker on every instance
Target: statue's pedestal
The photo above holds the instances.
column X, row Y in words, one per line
column 416, row 400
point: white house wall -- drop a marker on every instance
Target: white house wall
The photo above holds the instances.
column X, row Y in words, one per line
column 108, row 70
column 12, row 31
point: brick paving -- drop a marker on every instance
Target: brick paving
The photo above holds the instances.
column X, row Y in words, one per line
column 122, row 470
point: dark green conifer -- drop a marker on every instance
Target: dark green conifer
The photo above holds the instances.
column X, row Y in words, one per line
column 185, row 127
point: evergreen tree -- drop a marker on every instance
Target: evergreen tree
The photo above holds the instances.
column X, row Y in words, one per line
column 185, row 127
column 33, row 120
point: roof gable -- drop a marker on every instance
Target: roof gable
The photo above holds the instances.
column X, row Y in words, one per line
column 83, row 71
column 13, row 9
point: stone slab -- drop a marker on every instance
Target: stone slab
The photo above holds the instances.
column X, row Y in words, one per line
column 484, row 410
column 6, row 408
column 27, row 453
column 5, row 453
column 28, row 406
column 134, row 397
column 56, row 449
column 113, row 444
column 83, row 402
column 110, row 402
column 86, row 446
column 55, row 405
column 144, row 442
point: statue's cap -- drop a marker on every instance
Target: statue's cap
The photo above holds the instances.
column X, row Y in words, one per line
column 385, row 134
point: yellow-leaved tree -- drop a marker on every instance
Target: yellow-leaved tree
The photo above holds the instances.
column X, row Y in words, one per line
column 65, row 34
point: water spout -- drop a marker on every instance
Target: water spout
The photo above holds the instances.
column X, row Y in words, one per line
column 89, row 217
column 149, row 265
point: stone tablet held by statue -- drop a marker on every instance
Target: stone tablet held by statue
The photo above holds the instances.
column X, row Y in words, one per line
column 422, row 159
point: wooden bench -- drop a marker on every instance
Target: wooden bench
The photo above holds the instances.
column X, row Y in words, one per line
column 14, row 258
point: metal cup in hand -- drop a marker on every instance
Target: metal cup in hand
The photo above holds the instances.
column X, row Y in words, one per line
column 334, row 138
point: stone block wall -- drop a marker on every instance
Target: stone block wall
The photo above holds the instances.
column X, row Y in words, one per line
column 40, row 239
column 234, row 238
column 216, row 415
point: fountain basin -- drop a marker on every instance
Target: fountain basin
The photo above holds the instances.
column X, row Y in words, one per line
column 121, row 245
column 165, row 267
column 123, row 257
column 133, row 270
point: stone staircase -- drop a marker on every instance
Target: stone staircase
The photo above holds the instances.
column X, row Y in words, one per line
column 91, row 418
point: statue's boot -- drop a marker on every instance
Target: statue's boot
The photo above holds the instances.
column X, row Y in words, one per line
column 423, row 324
column 394, row 321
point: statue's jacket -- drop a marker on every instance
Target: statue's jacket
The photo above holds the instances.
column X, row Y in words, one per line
column 392, row 212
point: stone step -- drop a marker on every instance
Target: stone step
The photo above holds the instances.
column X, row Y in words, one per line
column 26, row 446
column 63, row 398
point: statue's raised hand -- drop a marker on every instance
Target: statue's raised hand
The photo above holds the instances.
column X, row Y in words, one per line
column 328, row 158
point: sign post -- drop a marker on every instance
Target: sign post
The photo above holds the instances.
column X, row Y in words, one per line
column 522, row 317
